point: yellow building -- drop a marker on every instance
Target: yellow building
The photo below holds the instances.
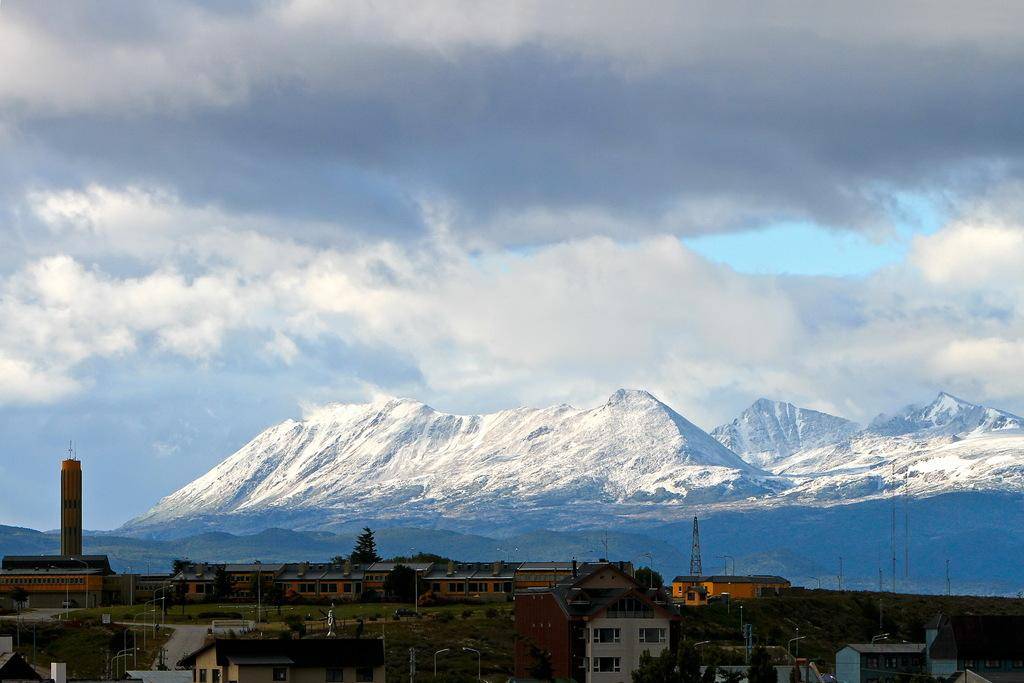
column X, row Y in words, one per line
column 697, row 590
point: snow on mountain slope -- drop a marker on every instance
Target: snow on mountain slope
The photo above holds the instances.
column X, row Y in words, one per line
column 947, row 445
column 870, row 466
column 946, row 415
column 401, row 455
column 768, row 431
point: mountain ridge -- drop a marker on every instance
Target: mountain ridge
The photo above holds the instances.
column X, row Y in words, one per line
column 631, row 457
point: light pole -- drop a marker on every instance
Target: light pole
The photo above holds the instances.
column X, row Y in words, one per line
column 135, row 619
column 700, row 652
column 85, row 578
column 415, row 581
column 727, row 558
column 741, row 618
column 469, row 649
column 790, row 644
column 880, row 636
column 122, row 653
column 435, row 660
column 259, row 591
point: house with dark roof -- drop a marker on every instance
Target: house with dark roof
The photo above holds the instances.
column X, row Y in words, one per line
column 878, row 662
column 592, row 625
column 989, row 645
column 14, row 668
column 314, row 660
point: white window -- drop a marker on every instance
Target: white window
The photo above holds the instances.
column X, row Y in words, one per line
column 652, row 635
column 607, row 664
column 607, row 635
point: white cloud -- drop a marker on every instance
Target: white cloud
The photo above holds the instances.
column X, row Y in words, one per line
column 567, row 321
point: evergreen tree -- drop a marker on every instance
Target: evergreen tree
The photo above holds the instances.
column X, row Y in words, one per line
column 689, row 663
column 178, row 566
column 365, row 550
column 761, row 669
column 660, row 669
column 221, row 583
column 19, row 596
column 401, row 583
column 648, row 578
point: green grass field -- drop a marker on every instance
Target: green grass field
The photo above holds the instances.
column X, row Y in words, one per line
column 826, row 620
column 205, row 613
column 87, row 649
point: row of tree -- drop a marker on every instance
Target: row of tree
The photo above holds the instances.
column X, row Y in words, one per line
column 683, row 666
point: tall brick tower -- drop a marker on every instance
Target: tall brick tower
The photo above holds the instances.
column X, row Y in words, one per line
column 71, row 507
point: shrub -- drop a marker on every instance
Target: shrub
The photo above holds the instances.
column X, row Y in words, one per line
column 467, row 613
column 444, row 617
column 491, row 613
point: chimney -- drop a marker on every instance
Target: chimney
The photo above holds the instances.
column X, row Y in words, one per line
column 59, row 672
column 575, row 569
column 71, row 507
column 348, row 567
column 496, row 568
column 451, row 568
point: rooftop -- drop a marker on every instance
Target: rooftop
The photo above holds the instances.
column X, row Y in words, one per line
column 887, row 648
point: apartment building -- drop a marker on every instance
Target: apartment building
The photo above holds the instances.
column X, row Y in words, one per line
column 593, row 625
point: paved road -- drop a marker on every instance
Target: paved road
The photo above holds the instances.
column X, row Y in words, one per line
column 36, row 614
column 184, row 640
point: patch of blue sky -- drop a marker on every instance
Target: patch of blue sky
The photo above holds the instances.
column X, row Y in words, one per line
column 806, row 248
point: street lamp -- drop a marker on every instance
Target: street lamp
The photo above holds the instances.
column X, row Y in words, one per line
column 435, row 660
column 85, row 578
column 790, row 644
column 700, row 653
column 727, row 558
column 122, row 653
column 469, row 649
column 880, row 636
column 741, row 618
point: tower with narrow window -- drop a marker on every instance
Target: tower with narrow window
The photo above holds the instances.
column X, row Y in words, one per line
column 71, row 507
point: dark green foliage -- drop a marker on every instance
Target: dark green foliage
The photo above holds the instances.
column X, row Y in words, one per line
column 19, row 596
column 761, row 669
column 221, row 584
column 365, row 550
column 648, row 578
column 401, row 583
column 660, row 669
column 296, row 623
column 178, row 566
column 541, row 667
column 689, row 663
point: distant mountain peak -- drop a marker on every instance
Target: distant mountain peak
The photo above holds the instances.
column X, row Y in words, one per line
column 401, row 457
column 945, row 415
column 632, row 396
column 770, row 430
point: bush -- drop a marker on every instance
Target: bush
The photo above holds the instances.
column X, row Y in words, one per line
column 220, row 615
column 492, row 613
column 467, row 613
column 444, row 617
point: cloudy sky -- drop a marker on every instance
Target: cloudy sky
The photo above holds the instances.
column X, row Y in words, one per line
column 215, row 217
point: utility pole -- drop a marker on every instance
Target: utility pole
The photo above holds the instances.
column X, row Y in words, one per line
column 947, row 576
column 893, row 497
column 906, row 523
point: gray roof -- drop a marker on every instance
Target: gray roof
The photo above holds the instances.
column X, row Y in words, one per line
column 173, row 676
column 887, row 648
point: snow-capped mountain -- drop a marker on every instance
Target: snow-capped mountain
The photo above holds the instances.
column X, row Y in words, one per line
column 768, row 431
column 401, row 458
column 944, row 446
column 946, row 415
column 630, row 459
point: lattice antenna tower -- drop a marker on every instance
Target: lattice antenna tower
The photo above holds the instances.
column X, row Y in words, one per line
column 695, row 565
